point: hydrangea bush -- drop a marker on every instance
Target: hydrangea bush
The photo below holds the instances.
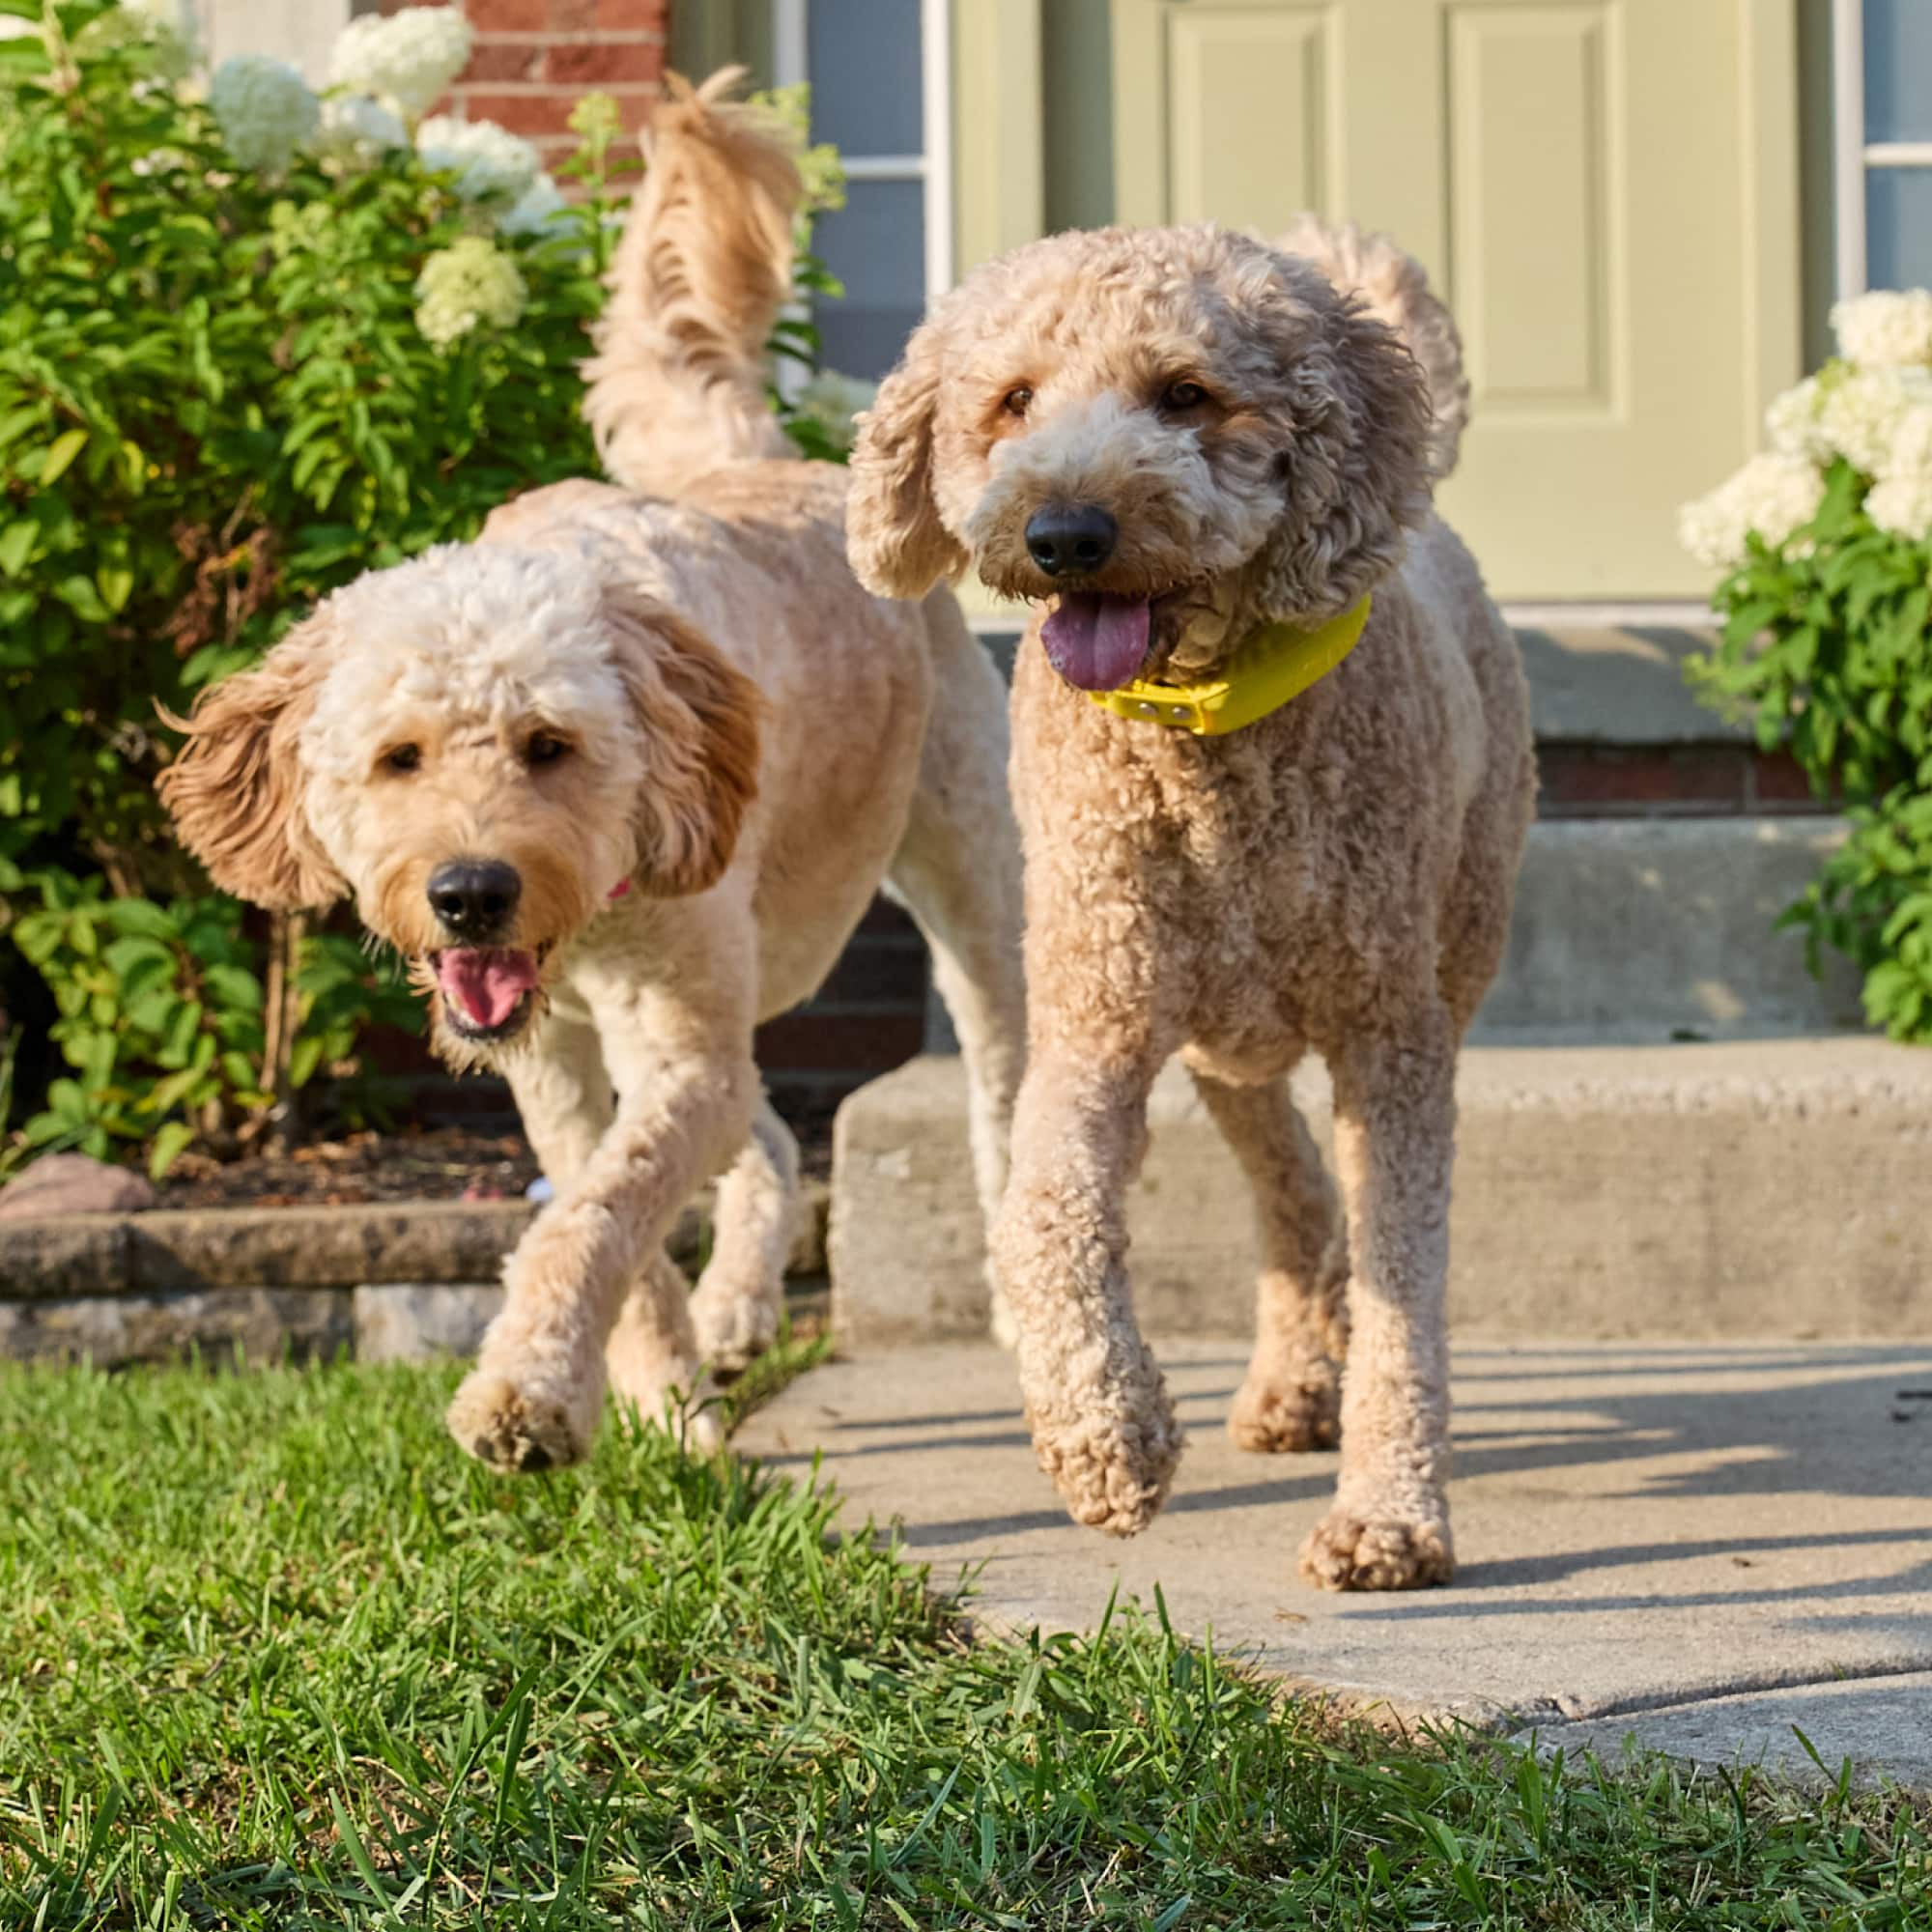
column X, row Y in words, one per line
column 253, row 343
column 1825, row 542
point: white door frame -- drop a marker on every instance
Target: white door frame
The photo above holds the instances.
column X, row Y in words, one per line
column 933, row 169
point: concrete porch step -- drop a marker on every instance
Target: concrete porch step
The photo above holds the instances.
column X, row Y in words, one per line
column 1654, row 930
column 1737, row 1190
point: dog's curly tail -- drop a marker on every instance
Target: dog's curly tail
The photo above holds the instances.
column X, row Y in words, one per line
column 1393, row 287
column 677, row 386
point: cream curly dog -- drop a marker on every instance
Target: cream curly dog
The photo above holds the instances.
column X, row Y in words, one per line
column 618, row 781
column 1201, row 450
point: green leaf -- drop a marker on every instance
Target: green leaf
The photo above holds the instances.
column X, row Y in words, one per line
column 170, row 1140
column 234, row 986
column 114, row 585
column 59, row 454
column 16, row 545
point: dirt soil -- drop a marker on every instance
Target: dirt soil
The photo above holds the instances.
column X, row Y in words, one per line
column 433, row 1164
column 422, row 1164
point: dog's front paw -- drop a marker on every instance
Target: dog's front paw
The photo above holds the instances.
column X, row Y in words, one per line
column 733, row 1324
column 514, row 1429
column 1295, row 1407
column 1112, row 1466
column 1351, row 1552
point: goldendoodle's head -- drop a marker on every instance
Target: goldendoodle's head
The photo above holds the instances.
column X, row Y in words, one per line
column 486, row 746
column 1178, row 433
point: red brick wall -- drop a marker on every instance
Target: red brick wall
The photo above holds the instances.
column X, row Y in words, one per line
column 535, row 59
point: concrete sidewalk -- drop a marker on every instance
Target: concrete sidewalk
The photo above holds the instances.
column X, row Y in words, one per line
column 1645, row 1534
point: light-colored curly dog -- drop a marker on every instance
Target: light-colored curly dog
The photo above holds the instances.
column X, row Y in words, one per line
column 1181, row 440
column 618, row 781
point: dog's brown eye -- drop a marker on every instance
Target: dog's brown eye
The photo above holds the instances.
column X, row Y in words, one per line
column 403, row 758
column 1180, row 397
column 544, row 748
column 1016, row 401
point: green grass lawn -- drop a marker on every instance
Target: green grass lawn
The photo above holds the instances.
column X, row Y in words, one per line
column 274, row 1653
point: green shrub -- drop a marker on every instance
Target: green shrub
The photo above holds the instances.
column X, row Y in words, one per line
column 1827, row 547
column 169, row 1026
column 250, row 347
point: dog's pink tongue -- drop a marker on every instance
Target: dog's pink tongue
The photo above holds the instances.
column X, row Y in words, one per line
column 1094, row 640
column 485, row 981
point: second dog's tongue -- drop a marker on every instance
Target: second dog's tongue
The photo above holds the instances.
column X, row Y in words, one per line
column 485, row 981
column 1097, row 641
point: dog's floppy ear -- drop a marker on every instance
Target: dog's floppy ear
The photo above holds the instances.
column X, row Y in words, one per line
column 1355, row 448
column 894, row 537
column 699, row 719
column 233, row 790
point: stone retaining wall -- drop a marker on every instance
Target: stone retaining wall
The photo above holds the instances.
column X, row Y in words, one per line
column 392, row 1281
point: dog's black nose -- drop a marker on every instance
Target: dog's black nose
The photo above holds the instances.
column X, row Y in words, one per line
column 1070, row 536
column 474, row 898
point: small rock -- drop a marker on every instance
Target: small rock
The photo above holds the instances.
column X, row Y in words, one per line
column 74, row 1184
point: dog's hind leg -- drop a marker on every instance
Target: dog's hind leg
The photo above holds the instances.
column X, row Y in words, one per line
column 957, row 872
column 1291, row 1398
column 735, row 1310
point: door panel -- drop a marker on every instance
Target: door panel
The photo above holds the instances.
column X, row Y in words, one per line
column 1605, row 191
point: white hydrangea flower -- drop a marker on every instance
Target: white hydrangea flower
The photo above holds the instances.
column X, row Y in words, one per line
column 264, row 110
column 831, row 400
column 1902, row 505
column 471, row 281
column 1792, row 422
column 486, row 159
column 358, row 131
column 1911, row 451
column 162, row 28
column 1864, row 413
column 537, row 211
column 406, row 60
column 1772, row 495
column 1887, row 328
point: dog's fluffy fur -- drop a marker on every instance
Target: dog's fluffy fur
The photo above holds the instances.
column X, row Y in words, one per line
column 1336, row 876
column 689, row 704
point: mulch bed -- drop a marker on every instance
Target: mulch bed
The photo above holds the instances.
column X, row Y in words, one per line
column 422, row 1164
column 433, row 1164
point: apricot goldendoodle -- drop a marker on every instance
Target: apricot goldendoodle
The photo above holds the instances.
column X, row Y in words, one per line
column 1211, row 460
column 618, row 781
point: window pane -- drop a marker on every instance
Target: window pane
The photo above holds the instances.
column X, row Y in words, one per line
column 875, row 245
column 1898, row 70
column 863, row 57
column 1898, row 228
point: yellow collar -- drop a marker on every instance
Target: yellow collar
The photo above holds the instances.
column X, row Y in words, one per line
column 1273, row 665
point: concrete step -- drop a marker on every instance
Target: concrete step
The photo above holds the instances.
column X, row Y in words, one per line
column 1654, row 930
column 1746, row 1190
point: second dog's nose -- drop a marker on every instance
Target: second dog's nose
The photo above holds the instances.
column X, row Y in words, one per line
column 474, row 898
column 1070, row 536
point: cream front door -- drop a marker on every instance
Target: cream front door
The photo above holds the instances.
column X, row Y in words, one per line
column 1605, row 190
